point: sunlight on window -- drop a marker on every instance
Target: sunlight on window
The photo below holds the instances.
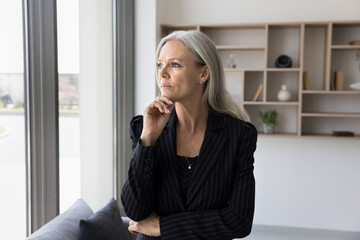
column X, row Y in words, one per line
column 12, row 122
column 69, row 120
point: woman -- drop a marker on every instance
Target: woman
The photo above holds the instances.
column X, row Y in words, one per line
column 191, row 173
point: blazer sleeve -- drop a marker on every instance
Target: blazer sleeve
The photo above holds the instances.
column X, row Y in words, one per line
column 233, row 221
column 137, row 192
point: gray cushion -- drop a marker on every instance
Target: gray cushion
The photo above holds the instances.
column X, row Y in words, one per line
column 106, row 224
column 65, row 225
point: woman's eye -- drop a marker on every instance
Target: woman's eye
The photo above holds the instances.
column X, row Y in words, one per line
column 175, row 65
column 159, row 65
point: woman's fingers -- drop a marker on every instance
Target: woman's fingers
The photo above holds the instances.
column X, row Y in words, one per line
column 133, row 227
column 162, row 104
column 149, row 226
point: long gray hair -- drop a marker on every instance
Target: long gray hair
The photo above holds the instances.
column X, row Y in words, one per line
column 215, row 95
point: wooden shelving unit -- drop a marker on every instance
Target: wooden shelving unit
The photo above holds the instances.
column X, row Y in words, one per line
column 318, row 48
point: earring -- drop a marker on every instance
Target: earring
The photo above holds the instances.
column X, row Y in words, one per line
column 201, row 82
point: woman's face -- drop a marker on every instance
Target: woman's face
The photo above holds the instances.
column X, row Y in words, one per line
column 179, row 74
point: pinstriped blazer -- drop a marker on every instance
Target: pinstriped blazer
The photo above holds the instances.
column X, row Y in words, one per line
column 221, row 195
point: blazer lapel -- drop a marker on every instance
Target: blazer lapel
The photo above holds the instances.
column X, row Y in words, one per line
column 209, row 154
column 167, row 154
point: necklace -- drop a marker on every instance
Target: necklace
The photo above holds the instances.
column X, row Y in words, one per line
column 186, row 159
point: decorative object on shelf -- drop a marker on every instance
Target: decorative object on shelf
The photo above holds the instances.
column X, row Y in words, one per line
column 232, row 63
column 355, row 86
column 268, row 120
column 306, row 85
column 257, row 94
column 283, row 61
column 283, row 95
column 343, row 134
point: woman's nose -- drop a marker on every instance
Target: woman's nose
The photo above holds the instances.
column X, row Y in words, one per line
column 163, row 72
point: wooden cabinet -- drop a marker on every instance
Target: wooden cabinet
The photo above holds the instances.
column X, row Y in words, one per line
column 317, row 50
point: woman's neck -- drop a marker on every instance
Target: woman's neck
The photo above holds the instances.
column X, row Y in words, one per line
column 192, row 116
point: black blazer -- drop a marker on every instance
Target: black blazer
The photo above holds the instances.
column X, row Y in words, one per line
column 221, row 195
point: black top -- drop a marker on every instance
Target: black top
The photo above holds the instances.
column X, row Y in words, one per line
column 221, row 194
column 185, row 171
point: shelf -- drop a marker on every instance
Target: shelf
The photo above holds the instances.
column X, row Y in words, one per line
column 224, row 47
column 244, row 69
column 283, row 69
column 272, row 103
column 317, row 48
column 340, row 115
column 329, row 92
column 328, row 135
column 345, row 47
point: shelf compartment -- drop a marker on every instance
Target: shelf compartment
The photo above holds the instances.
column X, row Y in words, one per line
column 235, row 85
column 343, row 34
column 276, row 79
column 252, row 82
column 331, row 103
column 345, row 60
column 244, row 59
column 286, row 121
column 236, row 35
column 284, row 40
column 315, row 40
column 326, row 126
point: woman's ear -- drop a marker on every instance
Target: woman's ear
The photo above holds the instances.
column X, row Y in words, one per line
column 205, row 74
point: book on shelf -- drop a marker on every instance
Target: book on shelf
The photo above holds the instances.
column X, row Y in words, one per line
column 355, row 42
column 257, row 94
column 337, row 81
column 306, row 81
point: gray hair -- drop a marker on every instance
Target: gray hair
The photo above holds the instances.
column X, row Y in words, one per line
column 215, row 95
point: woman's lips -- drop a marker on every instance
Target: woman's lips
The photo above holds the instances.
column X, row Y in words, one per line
column 165, row 86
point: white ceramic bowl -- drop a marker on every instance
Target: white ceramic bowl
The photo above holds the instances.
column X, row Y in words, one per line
column 355, row 86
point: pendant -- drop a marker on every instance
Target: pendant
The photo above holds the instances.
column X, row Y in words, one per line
column 189, row 167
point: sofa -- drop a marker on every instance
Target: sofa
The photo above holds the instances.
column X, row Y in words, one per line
column 79, row 222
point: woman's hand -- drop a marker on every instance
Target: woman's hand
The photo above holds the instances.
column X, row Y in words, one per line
column 150, row 226
column 156, row 115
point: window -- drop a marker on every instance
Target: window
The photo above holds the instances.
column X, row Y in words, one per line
column 69, row 119
column 47, row 86
column 12, row 122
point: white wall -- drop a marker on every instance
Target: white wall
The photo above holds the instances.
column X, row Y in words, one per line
column 308, row 182
column 145, row 47
column 256, row 11
column 96, row 101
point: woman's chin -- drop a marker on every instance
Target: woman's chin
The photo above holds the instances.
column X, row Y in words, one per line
column 165, row 94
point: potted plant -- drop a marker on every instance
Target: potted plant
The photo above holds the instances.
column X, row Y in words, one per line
column 268, row 119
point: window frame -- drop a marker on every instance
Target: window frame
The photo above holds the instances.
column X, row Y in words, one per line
column 41, row 112
column 41, row 104
column 123, row 86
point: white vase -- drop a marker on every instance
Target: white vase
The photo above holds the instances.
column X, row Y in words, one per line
column 284, row 95
column 268, row 128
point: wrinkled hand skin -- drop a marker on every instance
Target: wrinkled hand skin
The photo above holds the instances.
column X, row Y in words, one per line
column 150, row 226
